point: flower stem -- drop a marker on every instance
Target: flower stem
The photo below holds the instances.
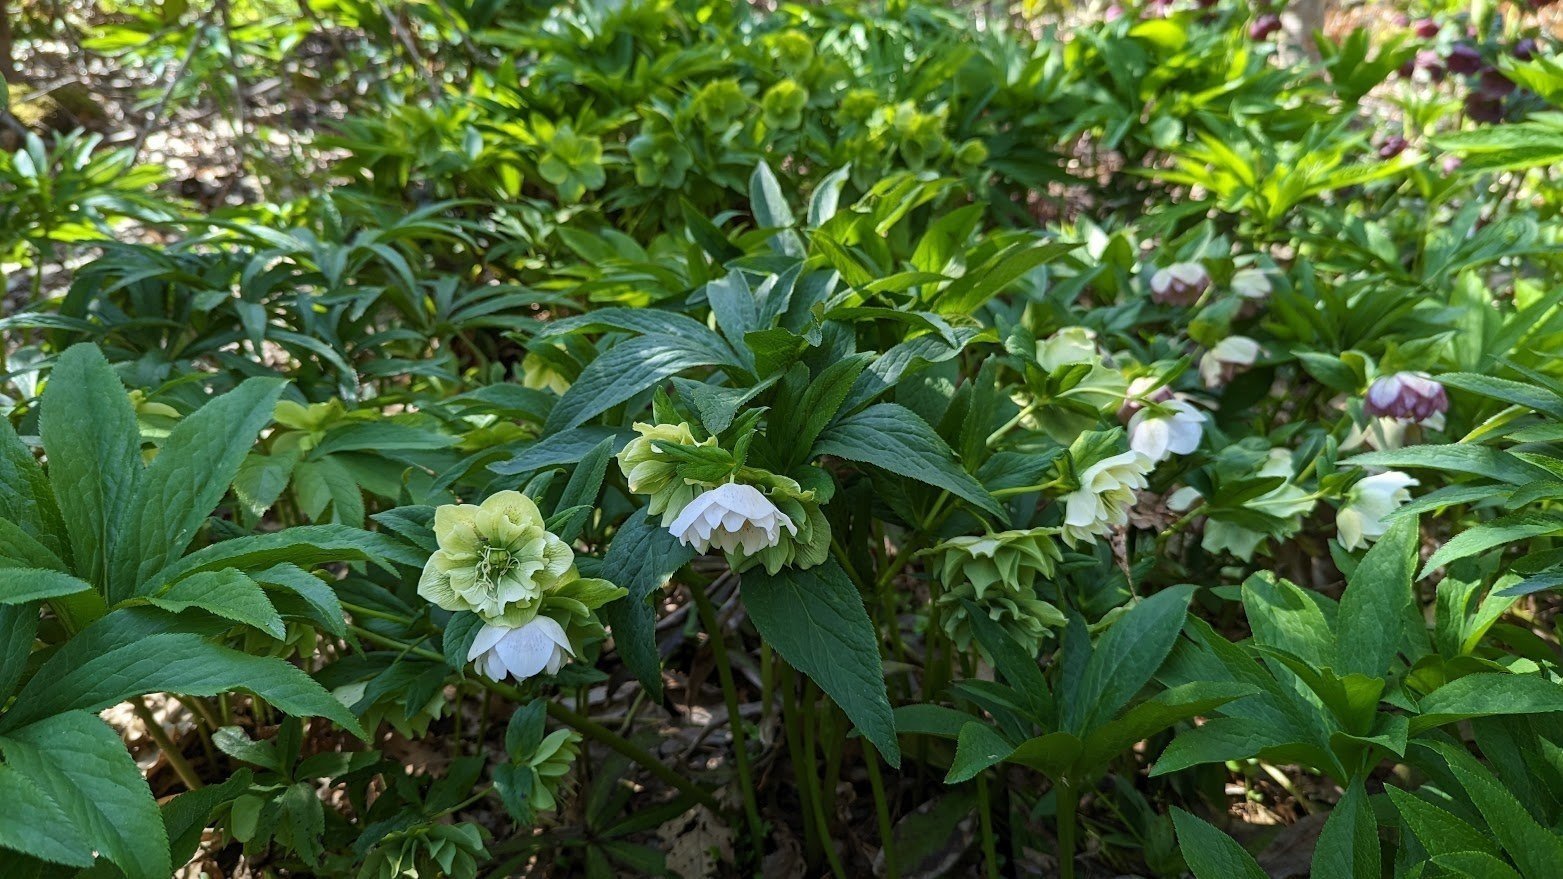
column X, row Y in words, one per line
column 176, row 757
column 990, row 851
column 724, row 672
column 881, row 810
column 1067, row 804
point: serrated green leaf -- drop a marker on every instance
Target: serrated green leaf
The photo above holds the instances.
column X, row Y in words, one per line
column 81, row 764
column 894, row 438
column 1487, row 695
column 626, row 369
column 26, row 498
column 641, row 558
column 301, row 545
column 816, row 621
column 1503, row 530
column 977, row 747
column 136, row 651
column 191, row 473
column 1210, row 853
column 1377, row 599
column 227, row 593
column 33, row 824
column 1348, row 845
column 1124, row 659
column 21, row 585
column 94, row 448
column 1438, row 831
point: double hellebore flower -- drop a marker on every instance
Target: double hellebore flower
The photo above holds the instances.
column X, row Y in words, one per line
column 492, row 556
column 1171, row 427
column 502, row 651
column 1104, row 497
column 1360, row 520
column 1408, row 396
column 730, row 517
column 997, row 573
column 651, row 471
column 1181, row 283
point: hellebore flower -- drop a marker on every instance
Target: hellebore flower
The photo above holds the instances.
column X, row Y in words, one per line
column 492, row 556
column 1251, row 283
column 521, row 652
column 997, row 573
column 1181, row 283
column 731, row 516
column 1408, row 396
column 1360, row 520
column 1170, row 428
column 1229, row 357
column 650, row 471
column 1463, row 58
column 1104, row 497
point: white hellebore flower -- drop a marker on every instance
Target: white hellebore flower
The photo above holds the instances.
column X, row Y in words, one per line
column 1104, row 497
column 1360, row 520
column 1229, row 357
column 520, row 651
column 1173, row 430
column 1251, row 283
column 730, row 516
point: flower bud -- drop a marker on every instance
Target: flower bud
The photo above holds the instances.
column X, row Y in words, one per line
column 1181, row 283
column 1407, row 396
column 1427, row 28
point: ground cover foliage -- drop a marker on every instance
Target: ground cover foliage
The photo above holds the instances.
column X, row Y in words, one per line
column 667, row 437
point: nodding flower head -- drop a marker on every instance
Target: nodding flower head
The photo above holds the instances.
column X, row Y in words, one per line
column 1407, row 396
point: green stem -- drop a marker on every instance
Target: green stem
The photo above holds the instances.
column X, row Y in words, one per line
column 990, row 850
column 881, row 810
column 1068, row 803
column 821, row 820
column 793, row 723
column 735, row 723
column 176, row 757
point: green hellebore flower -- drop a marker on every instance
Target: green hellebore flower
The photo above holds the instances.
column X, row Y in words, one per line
column 793, row 51
column 661, row 159
column 573, row 163
column 998, row 573
column 921, row 134
column 857, row 106
column 450, row 850
column 650, row 472
column 720, row 103
column 495, row 560
column 783, row 105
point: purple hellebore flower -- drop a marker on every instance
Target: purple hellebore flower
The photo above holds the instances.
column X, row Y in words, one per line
column 1407, row 396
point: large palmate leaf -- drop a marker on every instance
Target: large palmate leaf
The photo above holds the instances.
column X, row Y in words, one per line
column 1125, row 658
column 816, row 621
column 94, row 448
column 191, row 473
column 227, row 593
column 893, row 437
column 83, row 769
